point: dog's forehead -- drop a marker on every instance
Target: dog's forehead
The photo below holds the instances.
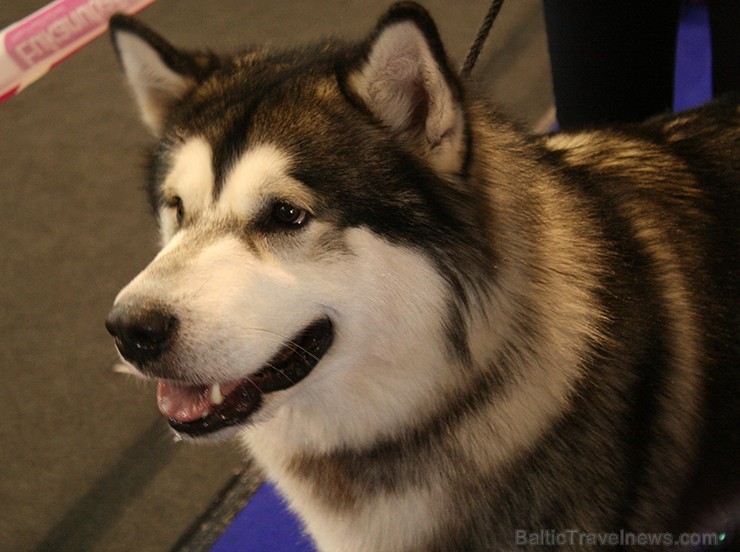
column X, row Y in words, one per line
column 263, row 170
column 243, row 85
column 289, row 107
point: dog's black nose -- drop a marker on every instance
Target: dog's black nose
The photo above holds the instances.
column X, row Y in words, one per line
column 141, row 334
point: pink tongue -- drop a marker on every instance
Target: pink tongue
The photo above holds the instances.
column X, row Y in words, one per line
column 187, row 403
column 184, row 403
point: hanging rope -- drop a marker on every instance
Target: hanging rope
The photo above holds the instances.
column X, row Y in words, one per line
column 480, row 40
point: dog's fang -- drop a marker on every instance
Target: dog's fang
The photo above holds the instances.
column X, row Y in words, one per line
column 216, row 395
column 121, row 368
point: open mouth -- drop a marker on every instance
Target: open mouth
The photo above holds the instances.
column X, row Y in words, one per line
column 197, row 410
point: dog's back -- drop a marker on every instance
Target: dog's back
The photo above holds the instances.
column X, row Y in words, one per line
column 670, row 204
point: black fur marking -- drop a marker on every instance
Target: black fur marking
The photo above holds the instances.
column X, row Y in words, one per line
column 157, row 167
column 414, row 208
column 227, row 148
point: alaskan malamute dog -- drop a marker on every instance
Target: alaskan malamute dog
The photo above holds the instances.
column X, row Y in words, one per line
column 433, row 331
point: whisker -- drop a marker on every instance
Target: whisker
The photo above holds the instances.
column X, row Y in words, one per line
column 288, row 342
column 195, row 292
column 282, row 372
column 254, row 385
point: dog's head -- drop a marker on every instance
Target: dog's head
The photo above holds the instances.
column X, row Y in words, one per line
column 318, row 236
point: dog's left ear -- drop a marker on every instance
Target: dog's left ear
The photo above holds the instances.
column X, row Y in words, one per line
column 158, row 73
column 405, row 80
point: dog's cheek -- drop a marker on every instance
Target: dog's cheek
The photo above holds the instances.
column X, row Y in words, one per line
column 240, row 306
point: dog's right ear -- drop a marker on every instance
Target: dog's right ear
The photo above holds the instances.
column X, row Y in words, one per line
column 406, row 82
column 159, row 74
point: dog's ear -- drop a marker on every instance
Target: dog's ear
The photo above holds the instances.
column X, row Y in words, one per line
column 404, row 79
column 159, row 74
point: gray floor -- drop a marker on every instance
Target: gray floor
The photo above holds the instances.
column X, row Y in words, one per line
column 86, row 462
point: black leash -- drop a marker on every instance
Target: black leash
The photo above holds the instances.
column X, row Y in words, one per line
column 477, row 45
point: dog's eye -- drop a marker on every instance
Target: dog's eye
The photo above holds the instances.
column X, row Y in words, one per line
column 176, row 203
column 288, row 215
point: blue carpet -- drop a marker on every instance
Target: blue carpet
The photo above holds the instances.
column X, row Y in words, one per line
column 265, row 524
column 693, row 78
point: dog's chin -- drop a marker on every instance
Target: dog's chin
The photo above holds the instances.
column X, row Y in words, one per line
column 217, row 410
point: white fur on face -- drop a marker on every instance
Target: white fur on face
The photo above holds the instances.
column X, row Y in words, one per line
column 190, row 179
column 389, row 359
column 259, row 176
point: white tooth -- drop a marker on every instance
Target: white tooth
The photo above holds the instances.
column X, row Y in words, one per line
column 128, row 370
column 216, row 396
column 124, row 369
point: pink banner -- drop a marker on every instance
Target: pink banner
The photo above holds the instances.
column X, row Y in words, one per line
column 32, row 46
column 50, row 31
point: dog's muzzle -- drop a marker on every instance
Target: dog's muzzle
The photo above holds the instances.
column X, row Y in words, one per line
column 146, row 337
